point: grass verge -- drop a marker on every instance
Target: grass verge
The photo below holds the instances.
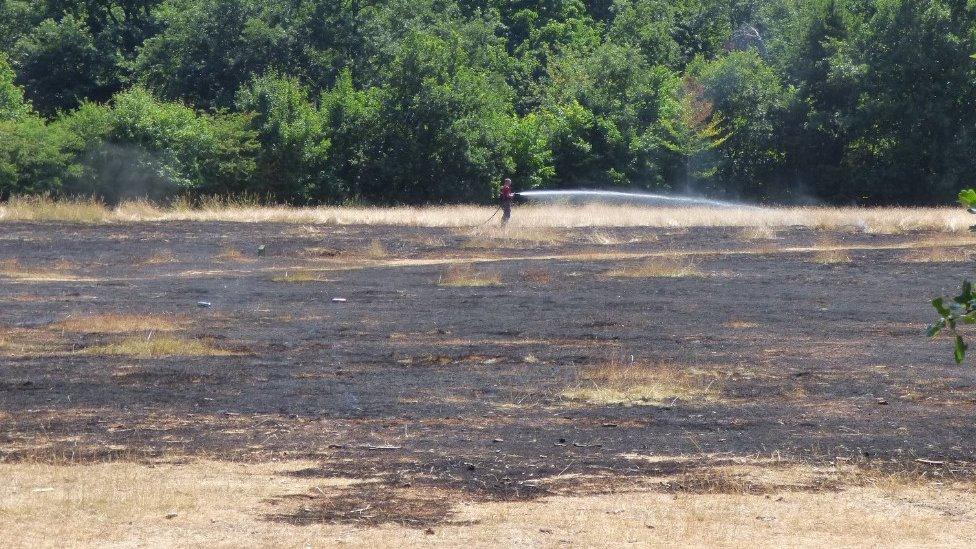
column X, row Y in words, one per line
column 647, row 383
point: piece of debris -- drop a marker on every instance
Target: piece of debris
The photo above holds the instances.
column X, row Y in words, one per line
column 429, row 531
column 204, row 304
column 930, row 461
column 338, row 300
column 171, row 515
column 498, row 440
column 882, row 402
column 43, row 490
column 261, row 250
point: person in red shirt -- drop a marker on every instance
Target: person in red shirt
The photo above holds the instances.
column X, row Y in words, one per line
column 507, row 197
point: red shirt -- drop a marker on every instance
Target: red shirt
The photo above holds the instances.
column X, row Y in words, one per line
column 507, row 193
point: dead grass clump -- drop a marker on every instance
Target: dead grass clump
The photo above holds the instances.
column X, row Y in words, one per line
column 760, row 232
column 937, row 255
column 300, row 276
column 155, row 347
column 59, row 271
column 514, row 237
column 536, row 276
column 29, row 343
column 666, row 266
column 643, row 383
column 831, row 257
column 43, row 208
column 740, row 325
column 467, row 276
column 115, row 323
column 161, row 257
column 375, row 250
column 232, row 254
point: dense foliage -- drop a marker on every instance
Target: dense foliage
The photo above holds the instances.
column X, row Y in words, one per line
column 417, row 101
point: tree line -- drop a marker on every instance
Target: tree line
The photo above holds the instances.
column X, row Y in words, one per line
column 420, row 101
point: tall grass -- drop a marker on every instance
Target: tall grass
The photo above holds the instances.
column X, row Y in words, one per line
column 248, row 209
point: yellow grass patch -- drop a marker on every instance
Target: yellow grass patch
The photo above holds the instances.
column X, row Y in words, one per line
column 300, row 276
column 41, row 208
column 466, row 275
column 57, row 272
column 536, row 276
column 740, row 325
column 117, row 323
column 759, row 232
column 665, row 266
column 232, row 254
column 514, row 237
column 641, row 382
column 29, row 342
column 831, row 257
column 938, row 255
column 891, row 220
column 161, row 257
column 375, row 250
column 213, row 503
column 154, row 347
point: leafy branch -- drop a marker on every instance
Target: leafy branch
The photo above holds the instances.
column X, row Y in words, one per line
column 960, row 309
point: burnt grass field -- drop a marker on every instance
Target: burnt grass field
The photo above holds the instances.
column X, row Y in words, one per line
column 459, row 391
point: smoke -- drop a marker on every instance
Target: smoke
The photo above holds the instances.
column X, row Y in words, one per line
column 114, row 173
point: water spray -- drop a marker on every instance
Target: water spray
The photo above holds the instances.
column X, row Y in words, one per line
column 644, row 197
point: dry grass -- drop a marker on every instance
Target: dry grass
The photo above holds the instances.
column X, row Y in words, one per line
column 514, row 237
column 740, row 325
column 640, row 382
column 30, row 342
column 759, row 232
column 220, row 504
column 831, row 257
column 938, row 255
column 536, row 276
column 375, row 250
column 25, row 208
column 465, row 275
column 155, row 347
column 300, row 276
column 871, row 220
column 117, row 323
column 232, row 254
column 665, row 266
column 161, row 257
column 59, row 271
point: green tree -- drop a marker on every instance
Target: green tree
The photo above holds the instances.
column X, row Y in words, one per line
column 292, row 163
column 60, row 64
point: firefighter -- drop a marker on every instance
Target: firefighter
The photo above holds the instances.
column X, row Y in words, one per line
column 507, row 196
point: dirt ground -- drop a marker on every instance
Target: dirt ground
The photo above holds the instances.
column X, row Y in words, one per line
column 434, row 369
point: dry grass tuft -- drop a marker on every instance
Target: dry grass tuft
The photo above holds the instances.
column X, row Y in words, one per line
column 115, row 323
column 740, row 325
column 59, row 271
column 300, row 276
column 42, row 208
column 232, row 254
column 514, row 237
column 759, row 232
column 467, row 276
column 155, row 347
column 650, row 383
column 536, row 276
column 29, row 343
column 831, row 257
column 161, row 257
column 938, row 255
column 375, row 250
column 666, row 266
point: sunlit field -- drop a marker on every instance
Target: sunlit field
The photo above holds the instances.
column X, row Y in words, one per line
column 236, row 375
